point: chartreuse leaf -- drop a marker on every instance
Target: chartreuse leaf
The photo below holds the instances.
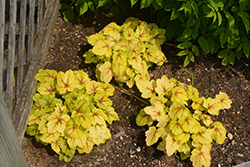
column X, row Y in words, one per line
column 66, row 82
column 99, row 133
column 163, row 121
column 106, row 72
column 31, row 130
column 161, row 99
column 163, row 85
column 47, row 88
column 177, row 110
column 185, row 147
column 203, row 136
column 95, row 38
column 155, row 111
column 224, row 100
column 143, row 32
column 179, row 95
column 102, row 47
column 94, row 87
column 87, row 146
column 57, row 122
column 112, row 29
column 50, row 137
column 206, row 119
column 192, row 92
column 171, row 145
column 119, row 63
column 138, row 64
column 111, row 115
column 82, row 78
column 152, row 135
column 102, row 101
column 182, row 138
column 73, row 130
column 198, row 104
column 143, row 119
column 44, row 75
column 108, row 89
column 147, row 88
column 97, row 116
column 212, row 105
column 175, row 127
column 189, row 124
column 201, row 157
column 219, row 132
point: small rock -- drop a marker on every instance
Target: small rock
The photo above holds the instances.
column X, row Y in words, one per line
column 230, row 136
column 240, row 155
column 138, row 149
column 233, row 142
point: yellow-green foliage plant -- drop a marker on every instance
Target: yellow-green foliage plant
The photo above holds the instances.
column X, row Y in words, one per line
column 126, row 52
column 181, row 120
column 70, row 112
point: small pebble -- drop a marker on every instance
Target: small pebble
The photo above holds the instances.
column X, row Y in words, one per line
column 240, row 155
column 230, row 136
column 138, row 149
column 233, row 142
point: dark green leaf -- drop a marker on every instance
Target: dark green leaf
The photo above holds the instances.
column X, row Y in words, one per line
column 219, row 18
column 170, row 31
column 186, row 61
column 223, row 38
column 63, row 6
column 191, row 56
column 231, row 58
column 238, row 54
column 234, row 9
column 246, row 51
column 68, row 14
column 174, row 14
column 133, row 2
column 83, row 8
column 223, row 55
column 78, row 2
column 219, row 31
column 182, row 53
column 203, row 44
column 102, row 3
column 211, row 44
column 92, row 7
column 224, row 61
column 243, row 5
column 146, row 3
column 190, row 21
column 184, row 45
column 231, row 21
column 245, row 18
column 165, row 21
column 195, row 50
column 195, row 8
column 114, row 10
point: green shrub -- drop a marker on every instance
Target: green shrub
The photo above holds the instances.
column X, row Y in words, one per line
column 181, row 119
column 127, row 51
column 209, row 26
column 70, row 112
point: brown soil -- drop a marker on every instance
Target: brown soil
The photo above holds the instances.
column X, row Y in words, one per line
column 127, row 146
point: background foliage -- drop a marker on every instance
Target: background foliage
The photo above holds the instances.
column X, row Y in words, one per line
column 202, row 27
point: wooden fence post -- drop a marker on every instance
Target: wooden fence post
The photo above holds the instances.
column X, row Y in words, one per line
column 11, row 153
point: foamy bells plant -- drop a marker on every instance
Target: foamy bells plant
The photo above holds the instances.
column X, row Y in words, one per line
column 70, row 112
column 126, row 52
column 181, row 120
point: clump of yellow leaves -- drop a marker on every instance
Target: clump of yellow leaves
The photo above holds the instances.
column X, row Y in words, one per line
column 181, row 119
column 70, row 112
column 127, row 51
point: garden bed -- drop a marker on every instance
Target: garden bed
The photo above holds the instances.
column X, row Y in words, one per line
column 127, row 146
